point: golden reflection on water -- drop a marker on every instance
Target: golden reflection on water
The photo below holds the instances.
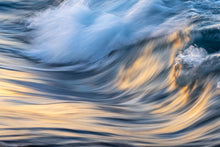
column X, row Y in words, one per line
column 186, row 118
column 83, row 116
column 150, row 63
column 45, row 113
column 144, row 67
column 9, row 89
column 177, row 108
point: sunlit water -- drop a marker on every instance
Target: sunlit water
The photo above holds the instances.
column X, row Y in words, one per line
column 110, row 73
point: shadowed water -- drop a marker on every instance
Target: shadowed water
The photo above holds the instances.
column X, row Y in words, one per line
column 109, row 73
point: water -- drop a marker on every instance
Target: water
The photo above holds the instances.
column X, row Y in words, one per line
column 109, row 73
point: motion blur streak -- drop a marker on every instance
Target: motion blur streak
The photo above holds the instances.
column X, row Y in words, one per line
column 109, row 73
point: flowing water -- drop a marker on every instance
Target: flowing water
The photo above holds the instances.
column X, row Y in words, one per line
column 110, row 73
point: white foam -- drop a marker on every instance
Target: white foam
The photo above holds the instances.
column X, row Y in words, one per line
column 90, row 29
column 192, row 56
column 187, row 64
column 194, row 63
column 218, row 85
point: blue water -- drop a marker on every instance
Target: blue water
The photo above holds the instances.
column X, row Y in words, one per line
column 109, row 73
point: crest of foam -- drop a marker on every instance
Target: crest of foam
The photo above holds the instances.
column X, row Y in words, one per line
column 194, row 63
column 90, row 29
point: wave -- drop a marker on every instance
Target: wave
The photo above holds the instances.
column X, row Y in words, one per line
column 110, row 73
column 89, row 30
column 194, row 63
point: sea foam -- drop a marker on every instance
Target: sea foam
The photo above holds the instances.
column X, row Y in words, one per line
column 89, row 30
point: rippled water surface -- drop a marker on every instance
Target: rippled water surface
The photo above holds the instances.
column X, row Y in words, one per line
column 110, row 73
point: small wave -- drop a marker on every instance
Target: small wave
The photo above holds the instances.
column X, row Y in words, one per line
column 194, row 63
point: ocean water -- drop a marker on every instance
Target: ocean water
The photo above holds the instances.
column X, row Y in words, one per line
column 110, row 73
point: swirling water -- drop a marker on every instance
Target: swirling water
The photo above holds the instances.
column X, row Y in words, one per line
column 109, row 73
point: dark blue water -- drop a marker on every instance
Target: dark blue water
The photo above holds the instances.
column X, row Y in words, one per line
column 109, row 73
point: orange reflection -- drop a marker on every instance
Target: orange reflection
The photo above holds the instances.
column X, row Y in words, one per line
column 150, row 62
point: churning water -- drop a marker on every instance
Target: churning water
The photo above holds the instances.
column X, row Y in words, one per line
column 110, row 73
